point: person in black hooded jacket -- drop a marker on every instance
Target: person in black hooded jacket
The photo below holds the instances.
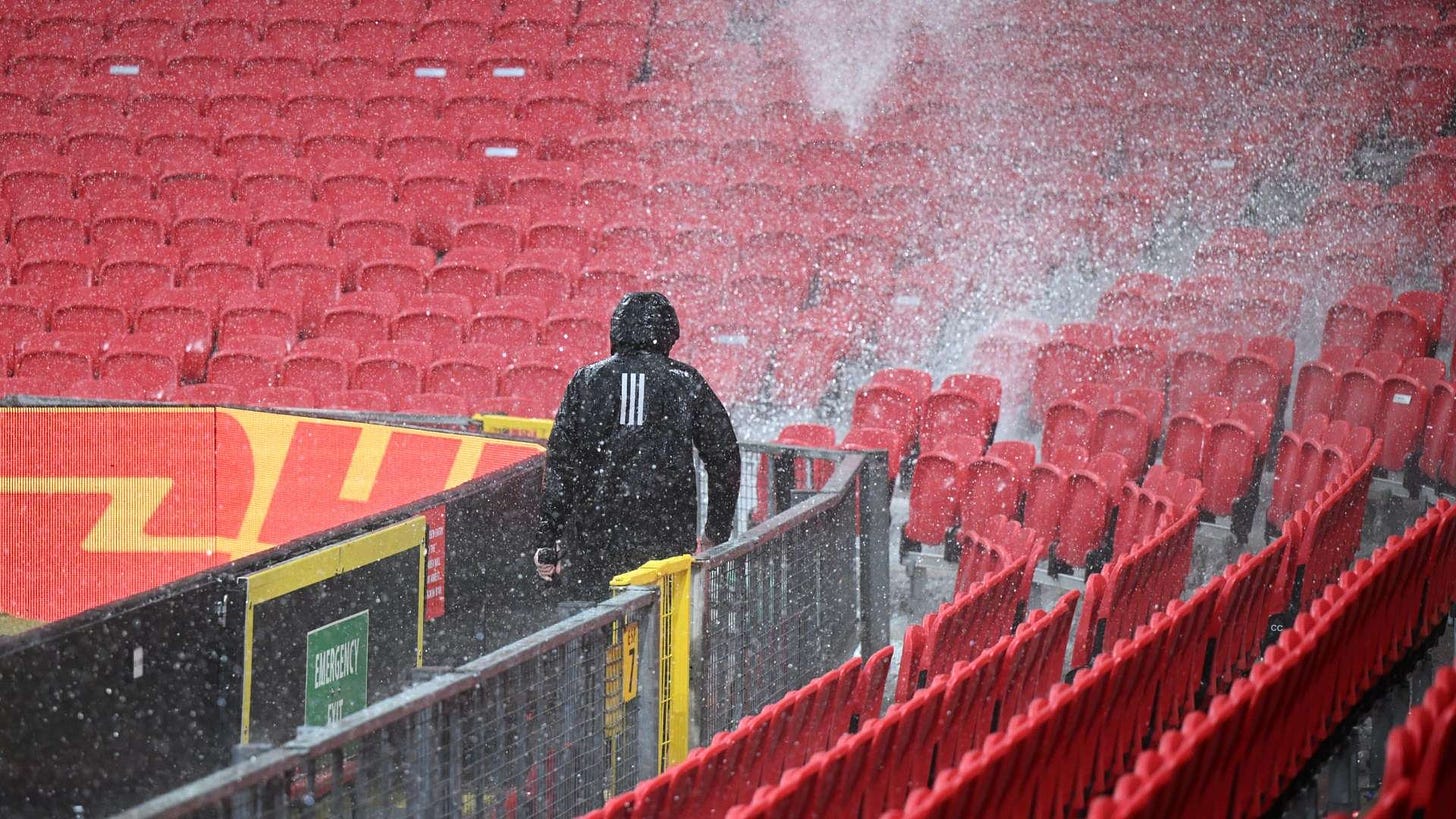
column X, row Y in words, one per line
column 620, row 485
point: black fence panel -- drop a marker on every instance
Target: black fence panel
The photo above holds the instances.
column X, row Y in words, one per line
column 125, row 703
column 79, row 731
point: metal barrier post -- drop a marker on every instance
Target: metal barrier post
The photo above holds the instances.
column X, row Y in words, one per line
column 781, row 482
column 673, row 577
column 874, row 552
column 649, row 689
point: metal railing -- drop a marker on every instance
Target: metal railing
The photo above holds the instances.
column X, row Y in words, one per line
column 555, row 723
column 548, row 726
column 796, row 594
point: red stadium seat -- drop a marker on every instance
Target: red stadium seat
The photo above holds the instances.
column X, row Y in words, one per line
column 39, row 179
column 1357, row 398
column 438, row 319
column 274, row 180
column 318, row 370
column 363, row 316
column 399, row 269
column 469, row 271
column 28, row 138
column 283, row 225
column 203, row 177
column 1348, row 324
column 1228, row 465
column 360, row 226
column 99, row 310
column 269, row 313
column 63, row 356
column 55, row 266
column 348, row 140
column 245, row 361
column 257, row 138
column 863, row 438
column 99, row 178
column 461, row 375
column 51, row 223
column 540, row 274
column 138, row 269
column 1401, row 420
column 24, row 309
column 190, row 316
column 1252, row 377
column 311, row 277
column 1082, row 527
column 209, row 223
column 955, row 412
column 151, row 361
column 1314, row 394
column 1069, row 424
column 220, row 269
column 940, row 478
column 535, row 376
column 126, row 222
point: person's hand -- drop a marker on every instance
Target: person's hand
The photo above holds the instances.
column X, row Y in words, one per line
column 548, row 564
column 704, row 544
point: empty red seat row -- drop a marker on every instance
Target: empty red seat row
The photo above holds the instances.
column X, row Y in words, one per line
column 1368, row 319
column 917, row 738
column 1383, row 392
column 1093, row 419
column 1249, row 308
column 1135, row 585
column 1164, row 497
column 1420, row 756
column 393, row 368
column 154, row 357
column 1070, row 503
column 1258, row 369
column 459, row 46
column 782, row 737
column 1238, row 756
column 1222, row 445
column 1313, row 457
column 993, row 545
column 1327, row 473
column 438, row 319
column 1087, row 354
column 957, row 632
column 1046, row 757
column 901, row 402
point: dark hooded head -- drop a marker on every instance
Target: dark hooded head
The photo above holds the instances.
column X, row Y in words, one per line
column 644, row 321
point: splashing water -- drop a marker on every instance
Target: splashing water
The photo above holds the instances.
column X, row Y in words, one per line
column 849, row 49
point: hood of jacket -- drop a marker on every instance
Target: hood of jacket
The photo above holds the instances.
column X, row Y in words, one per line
column 644, row 321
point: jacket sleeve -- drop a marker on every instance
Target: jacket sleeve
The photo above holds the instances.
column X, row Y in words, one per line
column 560, row 492
column 717, row 445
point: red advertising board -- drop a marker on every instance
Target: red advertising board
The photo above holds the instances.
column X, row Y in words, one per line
column 99, row 503
column 435, row 562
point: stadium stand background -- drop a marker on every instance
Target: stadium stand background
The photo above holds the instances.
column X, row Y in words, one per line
column 1099, row 277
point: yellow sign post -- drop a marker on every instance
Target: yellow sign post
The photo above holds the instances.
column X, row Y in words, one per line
column 673, row 576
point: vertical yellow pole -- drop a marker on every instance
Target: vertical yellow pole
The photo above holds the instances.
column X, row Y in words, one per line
column 673, row 577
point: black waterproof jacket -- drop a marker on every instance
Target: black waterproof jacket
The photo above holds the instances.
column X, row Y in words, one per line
column 620, row 486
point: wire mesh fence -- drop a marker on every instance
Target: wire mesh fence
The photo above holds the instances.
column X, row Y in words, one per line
column 554, row 724
column 772, row 478
column 776, row 610
column 550, row 726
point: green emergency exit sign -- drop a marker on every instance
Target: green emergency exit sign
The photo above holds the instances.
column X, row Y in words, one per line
column 338, row 670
